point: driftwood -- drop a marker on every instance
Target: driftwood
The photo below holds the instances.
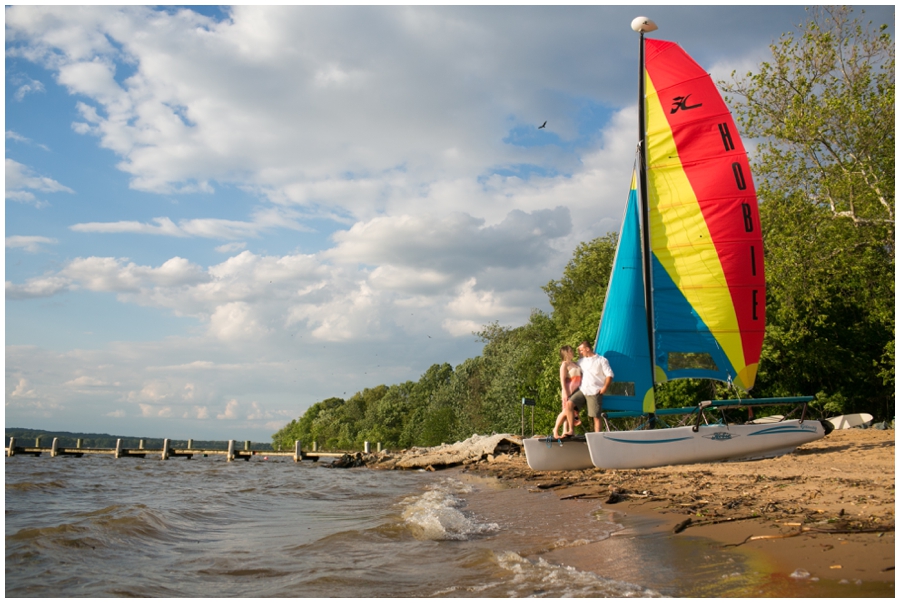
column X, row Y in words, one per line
column 814, row 529
column 688, row 522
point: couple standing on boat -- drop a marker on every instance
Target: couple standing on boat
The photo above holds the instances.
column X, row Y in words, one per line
column 583, row 383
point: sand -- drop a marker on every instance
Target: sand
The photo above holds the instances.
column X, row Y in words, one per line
column 821, row 517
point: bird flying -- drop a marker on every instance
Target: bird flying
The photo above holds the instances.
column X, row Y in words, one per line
column 540, row 127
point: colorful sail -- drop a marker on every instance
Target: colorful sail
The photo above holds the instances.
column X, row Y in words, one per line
column 707, row 255
column 622, row 338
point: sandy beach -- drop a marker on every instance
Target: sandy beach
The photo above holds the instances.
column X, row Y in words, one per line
column 820, row 520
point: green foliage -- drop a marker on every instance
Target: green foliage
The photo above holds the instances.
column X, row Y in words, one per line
column 823, row 111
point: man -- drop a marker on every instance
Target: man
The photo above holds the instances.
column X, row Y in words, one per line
column 595, row 379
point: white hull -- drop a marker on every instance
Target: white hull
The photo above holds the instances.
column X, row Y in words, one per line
column 850, row 421
column 568, row 455
column 682, row 445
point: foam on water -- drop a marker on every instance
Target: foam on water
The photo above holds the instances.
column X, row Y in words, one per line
column 437, row 513
column 521, row 577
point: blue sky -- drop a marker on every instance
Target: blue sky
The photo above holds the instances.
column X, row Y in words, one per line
column 216, row 217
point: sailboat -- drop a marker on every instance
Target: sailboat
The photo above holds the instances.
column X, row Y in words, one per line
column 686, row 297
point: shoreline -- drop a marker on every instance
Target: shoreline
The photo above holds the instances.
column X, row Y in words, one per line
column 817, row 522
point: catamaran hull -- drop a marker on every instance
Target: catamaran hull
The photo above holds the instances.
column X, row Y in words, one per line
column 710, row 443
column 568, row 455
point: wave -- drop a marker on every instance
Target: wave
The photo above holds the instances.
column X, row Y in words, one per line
column 436, row 514
column 34, row 486
column 521, row 577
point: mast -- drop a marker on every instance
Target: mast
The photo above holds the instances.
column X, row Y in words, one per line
column 644, row 25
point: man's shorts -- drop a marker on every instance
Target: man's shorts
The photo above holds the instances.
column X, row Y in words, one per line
column 594, row 405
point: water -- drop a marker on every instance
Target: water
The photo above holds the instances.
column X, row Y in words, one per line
column 99, row 526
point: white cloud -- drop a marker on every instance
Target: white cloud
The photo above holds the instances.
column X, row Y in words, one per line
column 204, row 227
column 25, row 85
column 235, row 322
column 31, row 244
column 85, row 381
column 231, row 247
column 22, row 180
column 258, row 412
column 11, row 135
column 23, row 390
column 230, row 410
column 37, row 287
column 230, row 101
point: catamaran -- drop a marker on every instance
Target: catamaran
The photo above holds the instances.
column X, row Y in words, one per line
column 686, row 297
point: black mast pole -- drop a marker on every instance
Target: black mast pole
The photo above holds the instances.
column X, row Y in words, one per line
column 645, row 216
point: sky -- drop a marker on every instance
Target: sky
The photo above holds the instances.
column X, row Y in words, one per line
column 218, row 216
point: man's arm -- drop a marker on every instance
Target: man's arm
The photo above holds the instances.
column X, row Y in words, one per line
column 606, row 385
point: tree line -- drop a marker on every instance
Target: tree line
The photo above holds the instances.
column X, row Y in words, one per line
column 822, row 113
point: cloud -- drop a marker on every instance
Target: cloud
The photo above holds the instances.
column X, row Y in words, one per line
column 23, row 389
column 204, row 227
column 84, row 380
column 258, row 412
column 164, row 226
column 24, row 85
column 114, row 274
column 229, row 101
column 11, row 135
column 453, row 244
column 230, row 411
column 31, row 244
column 22, row 180
column 234, row 322
column 38, row 287
column 231, row 247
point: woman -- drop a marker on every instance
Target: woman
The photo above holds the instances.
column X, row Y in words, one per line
column 572, row 398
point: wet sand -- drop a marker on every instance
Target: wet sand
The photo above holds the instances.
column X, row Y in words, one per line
column 817, row 522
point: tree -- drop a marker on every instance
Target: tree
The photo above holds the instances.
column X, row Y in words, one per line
column 302, row 428
column 823, row 113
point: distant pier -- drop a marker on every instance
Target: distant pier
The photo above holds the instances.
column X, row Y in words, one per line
column 167, row 451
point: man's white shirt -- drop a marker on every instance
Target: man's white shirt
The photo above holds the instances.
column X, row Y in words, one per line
column 595, row 369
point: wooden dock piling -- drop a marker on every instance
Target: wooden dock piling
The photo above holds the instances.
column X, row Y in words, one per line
column 168, row 451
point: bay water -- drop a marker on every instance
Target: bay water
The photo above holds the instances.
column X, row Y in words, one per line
column 269, row 527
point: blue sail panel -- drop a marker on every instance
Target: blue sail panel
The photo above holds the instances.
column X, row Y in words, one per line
column 685, row 347
column 623, row 338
